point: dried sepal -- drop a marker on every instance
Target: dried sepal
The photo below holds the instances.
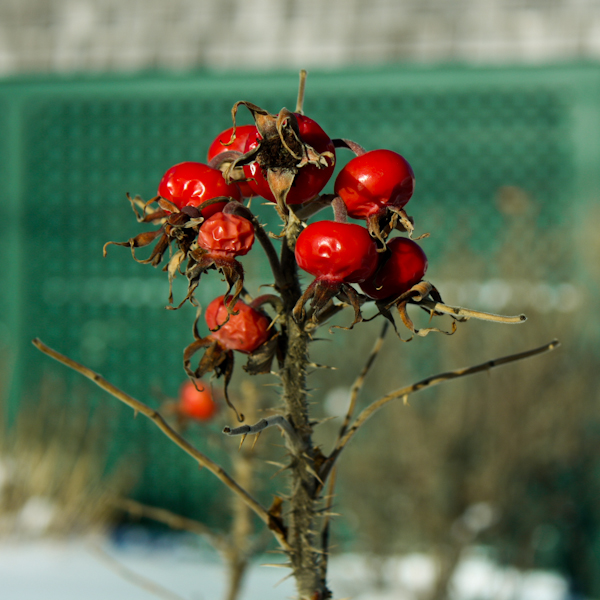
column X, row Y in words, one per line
column 149, row 213
column 320, row 293
column 401, row 306
column 172, row 268
column 215, row 359
column 280, row 153
column 259, row 362
column 141, row 240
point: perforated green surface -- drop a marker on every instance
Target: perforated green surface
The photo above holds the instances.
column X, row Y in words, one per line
column 71, row 149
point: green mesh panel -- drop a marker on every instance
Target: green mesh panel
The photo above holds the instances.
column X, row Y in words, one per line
column 81, row 145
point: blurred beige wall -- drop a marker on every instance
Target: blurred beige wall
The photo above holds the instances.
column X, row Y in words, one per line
column 108, row 35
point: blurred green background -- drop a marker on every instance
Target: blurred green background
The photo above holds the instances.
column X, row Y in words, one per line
column 507, row 163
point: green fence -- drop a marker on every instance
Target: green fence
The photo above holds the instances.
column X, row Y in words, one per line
column 484, row 144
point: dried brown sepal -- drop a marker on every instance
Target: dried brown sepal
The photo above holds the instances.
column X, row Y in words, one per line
column 349, row 295
column 280, row 181
column 173, row 267
column 260, row 361
column 374, row 227
column 215, row 359
column 199, row 262
column 149, row 214
column 401, row 306
column 280, row 153
column 386, row 313
column 320, row 293
column 179, row 226
column 141, row 240
column 424, row 291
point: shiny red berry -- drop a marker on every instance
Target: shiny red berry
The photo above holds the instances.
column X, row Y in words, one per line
column 402, row 266
column 310, row 179
column 242, row 134
column 245, row 331
column 336, row 252
column 226, row 235
column 195, row 403
column 374, row 181
column 192, row 183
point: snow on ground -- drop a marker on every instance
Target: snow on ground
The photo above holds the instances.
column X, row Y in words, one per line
column 99, row 569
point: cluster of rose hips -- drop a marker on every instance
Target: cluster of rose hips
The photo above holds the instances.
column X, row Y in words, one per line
column 286, row 159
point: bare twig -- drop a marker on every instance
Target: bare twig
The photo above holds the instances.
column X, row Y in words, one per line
column 172, row 520
column 420, row 385
column 467, row 313
column 272, row 421
column 133, row 577
column 326, row 526
column 360, row 380
column 159, row 421
column 301, row 88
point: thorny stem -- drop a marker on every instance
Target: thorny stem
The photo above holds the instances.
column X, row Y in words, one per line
column 420, row 385
column 304, row 556
column 159, row 421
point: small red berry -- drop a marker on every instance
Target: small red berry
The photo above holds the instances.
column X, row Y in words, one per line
column 374, row 181
column 242, row 134
column 192, row 183
column 336, row 252
column 402, row 266
column 196, row 403
column 310, row 179
column 226, row 235
column 245, row 331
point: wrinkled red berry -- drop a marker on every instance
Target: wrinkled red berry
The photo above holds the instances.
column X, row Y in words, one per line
column 245, row 331
column 402, row 266
column 226, row 235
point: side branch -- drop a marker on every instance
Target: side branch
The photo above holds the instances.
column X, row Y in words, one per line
column 360, row 380
column 172, row 520
column 159, row 421
column 273, row 421
column 420, row 385
column 467, row 313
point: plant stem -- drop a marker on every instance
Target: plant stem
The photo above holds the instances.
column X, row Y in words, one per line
column 304, row 557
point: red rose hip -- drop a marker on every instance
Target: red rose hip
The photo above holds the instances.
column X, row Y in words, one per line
column 374, row 181
column 310, row 179
column 192, row 183
column 226, row 235
column 243, row 133
column 402, row 266
column 336, row 252
column 245, row 331
column 195, row 403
